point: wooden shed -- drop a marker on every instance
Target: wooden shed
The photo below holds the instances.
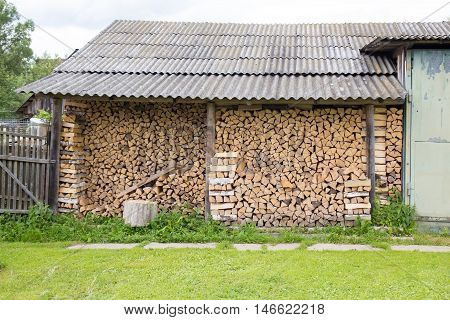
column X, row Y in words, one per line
column 278, row 125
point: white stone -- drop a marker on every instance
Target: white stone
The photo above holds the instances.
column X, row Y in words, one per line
column 138, row 213
column 283, row 246
column 113, row 246
column 247, row 246
column 421, row 248
column 342, row 247
column 156, row 245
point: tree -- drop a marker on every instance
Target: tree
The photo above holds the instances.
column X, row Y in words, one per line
column 41, row 66
column 15, row 55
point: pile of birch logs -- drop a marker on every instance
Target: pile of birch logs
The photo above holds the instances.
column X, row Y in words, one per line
column 294, row 164
column 394, row 140
column 128, row 142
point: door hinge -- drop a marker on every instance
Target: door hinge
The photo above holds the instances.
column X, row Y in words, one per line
column 409, row 97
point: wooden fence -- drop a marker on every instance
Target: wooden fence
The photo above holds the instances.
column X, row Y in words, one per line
column 24, row 169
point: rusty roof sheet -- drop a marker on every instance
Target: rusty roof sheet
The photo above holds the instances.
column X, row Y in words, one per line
column 232, row 60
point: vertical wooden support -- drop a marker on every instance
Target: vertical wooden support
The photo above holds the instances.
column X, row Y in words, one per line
column 55, row 138
column 370, row 141
column 209, row 152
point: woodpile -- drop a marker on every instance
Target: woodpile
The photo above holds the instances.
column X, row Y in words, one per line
column 126, row 143
column 72, row 171
column 273, row 166
column 294, row 164
column 394, row 143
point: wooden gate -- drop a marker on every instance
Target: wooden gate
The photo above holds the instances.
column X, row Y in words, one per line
column 24, row 169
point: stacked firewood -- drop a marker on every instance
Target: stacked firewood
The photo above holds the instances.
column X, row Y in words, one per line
column 128, row 142
column 72, row 170
column 293, row 164
column 394, row 140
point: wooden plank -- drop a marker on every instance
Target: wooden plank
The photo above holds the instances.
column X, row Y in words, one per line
column 13, row 211
column 370, row 142
column 222, row 206
column 54, row 154
column 14, row 149
column 251, row 107
column 226, row 155
column 380, row 117
column 172, row 166
column 209, row 152
column 20, row 184
column 24, row 159
column 357, row 183
column 352, row 206
column 23, row 135
column 227, row 168
column 221, row 193
column 220, row 181
column 21, row 195
column 27, row 171
column 352, row 217
column 9, row 179
column 356, row 194
column 2, row 183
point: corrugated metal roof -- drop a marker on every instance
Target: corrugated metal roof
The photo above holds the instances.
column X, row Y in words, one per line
column 259, row 66
column 230, row 60
column 221, row 86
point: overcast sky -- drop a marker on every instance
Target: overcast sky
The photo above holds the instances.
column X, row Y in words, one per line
column 77, row 21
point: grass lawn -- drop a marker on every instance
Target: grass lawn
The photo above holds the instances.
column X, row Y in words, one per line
column 49, row 271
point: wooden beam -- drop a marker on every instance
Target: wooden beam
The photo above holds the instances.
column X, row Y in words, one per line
column 55, row 138
column 172, row 166
column 21, row 185
column 209, row 152
column 370, row 142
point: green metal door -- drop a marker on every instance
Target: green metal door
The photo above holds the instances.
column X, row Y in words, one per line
column 428, row 119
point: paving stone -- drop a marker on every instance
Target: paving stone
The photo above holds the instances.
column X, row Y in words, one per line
column 247, row 246
column 421, row 248
column 342, row 247
column 283, row 246
column 156, row 245
column 113, row 246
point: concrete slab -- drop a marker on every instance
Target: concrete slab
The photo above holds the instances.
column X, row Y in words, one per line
column 110, row 246
column 156, row 245
column 342, row 247
column 247, row 246
column 283, row 246
column 421, row 248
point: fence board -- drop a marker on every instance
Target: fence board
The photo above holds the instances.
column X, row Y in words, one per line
column 24, row 175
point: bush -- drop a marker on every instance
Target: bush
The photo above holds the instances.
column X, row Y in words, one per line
column 44, row 115
column 398, row 217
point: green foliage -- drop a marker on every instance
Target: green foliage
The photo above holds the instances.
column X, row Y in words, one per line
column 398, row 217
column 17, row 64
column 15, row 55
column 181, row 225
column 40, row 225
column 41, row 67
column 44, row 115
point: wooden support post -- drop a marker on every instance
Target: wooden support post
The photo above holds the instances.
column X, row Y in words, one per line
column 55, row 138
column 370, row 141
column 209, row 152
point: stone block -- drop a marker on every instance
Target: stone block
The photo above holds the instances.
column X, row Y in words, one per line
column 138, row 213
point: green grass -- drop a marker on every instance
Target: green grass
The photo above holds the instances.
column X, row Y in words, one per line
column 40, row 225
column 49, row 271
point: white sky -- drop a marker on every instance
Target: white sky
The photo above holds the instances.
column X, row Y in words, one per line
column 75, row 22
